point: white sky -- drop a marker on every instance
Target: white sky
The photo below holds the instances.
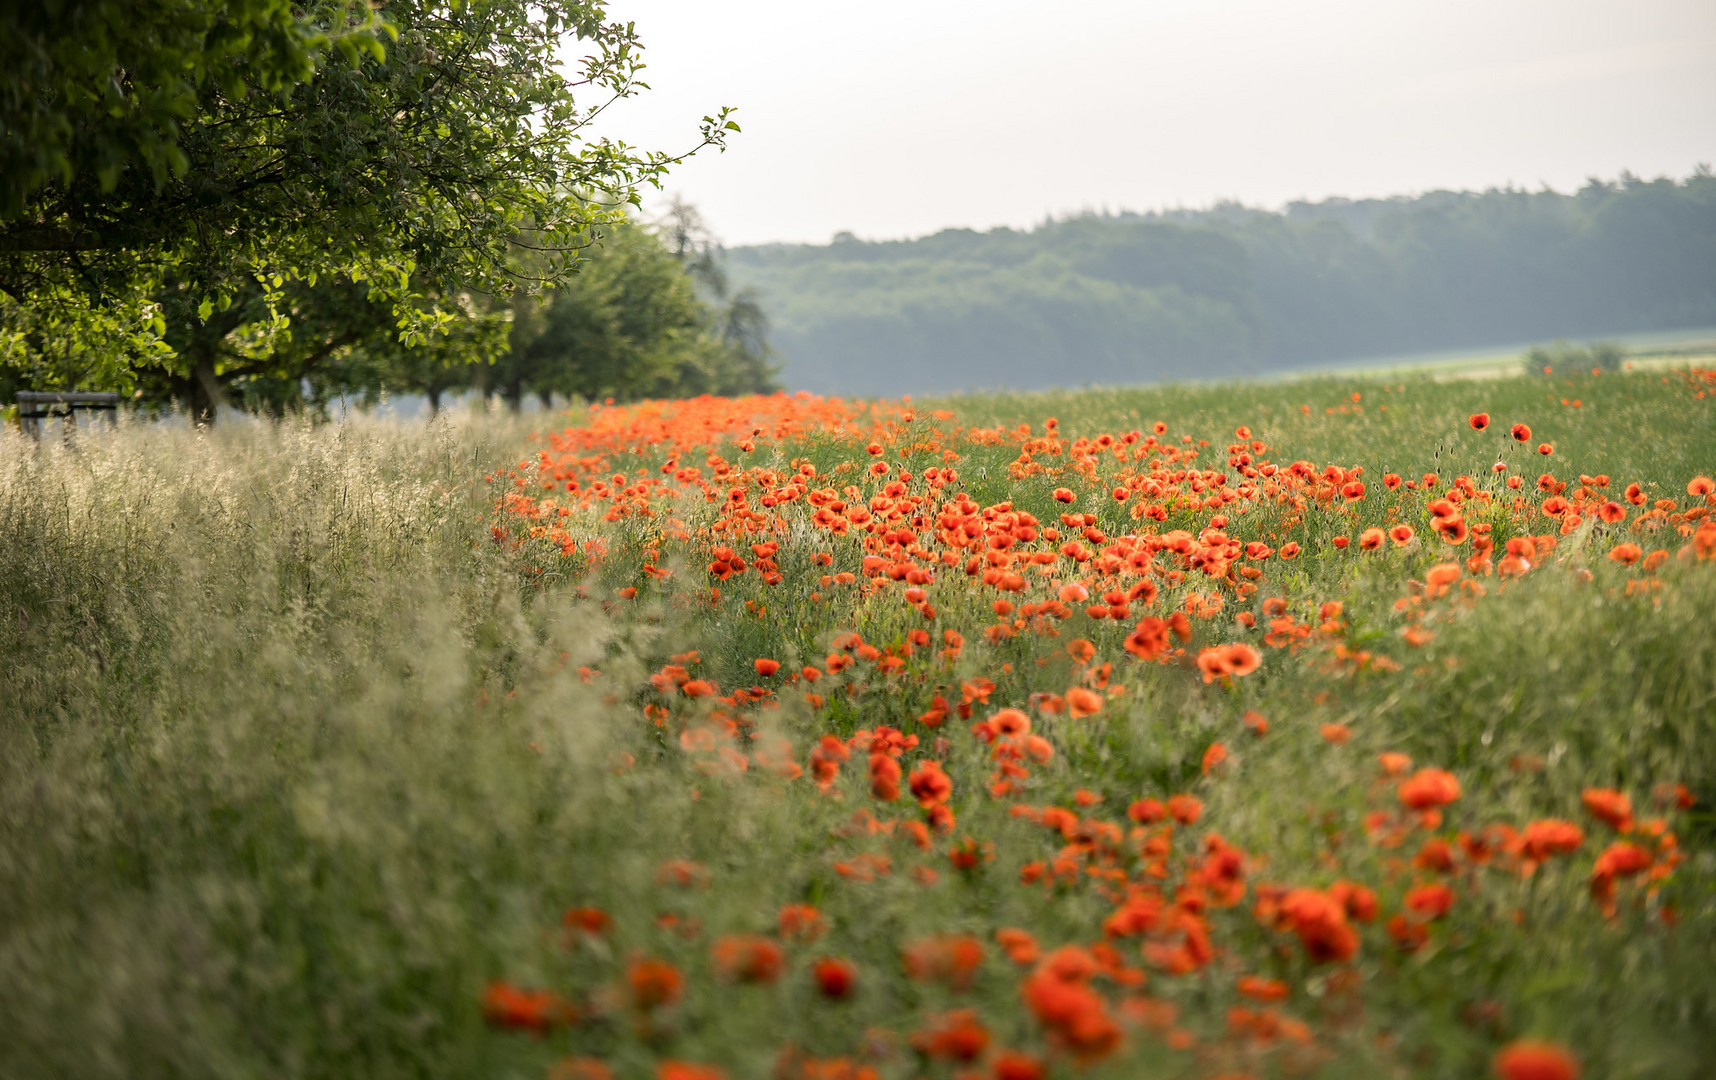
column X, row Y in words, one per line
column 895, row 119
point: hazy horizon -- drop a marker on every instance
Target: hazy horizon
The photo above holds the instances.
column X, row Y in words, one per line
column 899, row 120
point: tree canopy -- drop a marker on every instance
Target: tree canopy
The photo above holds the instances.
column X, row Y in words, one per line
column 203, row 194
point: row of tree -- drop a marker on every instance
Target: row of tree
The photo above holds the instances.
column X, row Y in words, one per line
column 1231, row 290
column 263, row 203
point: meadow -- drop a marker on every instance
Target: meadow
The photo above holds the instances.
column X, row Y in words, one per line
column 1347, row 727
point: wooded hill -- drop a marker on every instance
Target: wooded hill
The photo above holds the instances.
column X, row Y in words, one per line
column 1122, row 298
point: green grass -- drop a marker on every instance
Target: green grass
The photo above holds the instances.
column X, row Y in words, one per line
column 295, row 759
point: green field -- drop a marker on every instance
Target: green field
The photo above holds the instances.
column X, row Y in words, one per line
column 334, row 750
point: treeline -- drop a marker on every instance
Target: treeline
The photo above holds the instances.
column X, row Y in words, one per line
column 1232, row 290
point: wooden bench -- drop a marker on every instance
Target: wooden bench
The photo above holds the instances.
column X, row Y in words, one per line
column 35, row 406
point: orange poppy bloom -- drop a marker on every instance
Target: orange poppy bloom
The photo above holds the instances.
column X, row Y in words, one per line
column 1452, row 529
column 1016, row 1065
column 1430, row 901
column 1621, row 859
column 1213, row 757
column 1610, row 806
column 747, row 958
column 1401, row 534
column 1479, row 421
column 1520, row 432
column 1533, row 1059
column 654, row 983
column 1185, row 809
column 1320, row 921
column 929, row 784
column 1442, row 575
column 508, row 1006
column 1019, row 945
column 766, row 667
column 950, row 958
column 1082, row 702
column 1239, row 658
column 1626, row 553
column 1336, row 734
column 586, row 920
column 835, row 978
column 688, row 1070
column 1147, row 811
column 1370, row 539
column 1700, row 486
column 1259, row 988
column 1428, row 789
column 1011, row 722
column 957, row 1036
column 1393, row 763
column 1541, row 839
column 1611, row 512
column 801, row 922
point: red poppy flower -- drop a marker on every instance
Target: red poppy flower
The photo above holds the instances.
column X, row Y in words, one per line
column 1430, row 901
column 1541, row 839
column 1520, row 432
column 1626, row 554
column 1015, row 1065
column 766, row 667
column 1082, row 702
column 508, row 1006
column 1213, row 757
column 1532, row 1059
column 1479, row 421
column 835, row 978
column 929, row 784
column 1185, row 809
column 747, row 958
column 1611, row 806
column 654, row 983
column 688, row 1070
column 1428, row 789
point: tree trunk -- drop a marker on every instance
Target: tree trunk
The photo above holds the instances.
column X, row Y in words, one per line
column 207, row 395
column 514, row 395
column 434, row 396
column 547, row 399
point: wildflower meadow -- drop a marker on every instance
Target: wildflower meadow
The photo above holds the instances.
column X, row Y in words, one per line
column 1349, row 727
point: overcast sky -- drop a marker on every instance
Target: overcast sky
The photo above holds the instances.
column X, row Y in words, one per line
column 893, row 119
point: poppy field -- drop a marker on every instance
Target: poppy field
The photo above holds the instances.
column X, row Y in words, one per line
column 1324, row 729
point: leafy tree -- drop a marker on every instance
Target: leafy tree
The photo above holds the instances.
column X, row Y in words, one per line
column 230, row 195
column 636, row 320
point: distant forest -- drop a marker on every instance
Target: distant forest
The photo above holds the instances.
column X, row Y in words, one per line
column 1120, row 298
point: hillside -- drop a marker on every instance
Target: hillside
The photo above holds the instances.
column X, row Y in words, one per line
column 1124, row 298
